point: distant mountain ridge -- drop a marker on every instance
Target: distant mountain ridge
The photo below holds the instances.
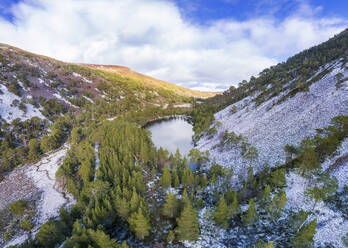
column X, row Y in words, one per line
column 150, row 81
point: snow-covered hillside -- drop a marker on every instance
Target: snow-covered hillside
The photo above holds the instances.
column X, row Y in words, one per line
column 332, row 226
column 36, row 182
column 269, row 127
column 9, row 112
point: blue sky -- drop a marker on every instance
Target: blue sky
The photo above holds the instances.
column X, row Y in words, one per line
column 201, row 44
column 203, row 11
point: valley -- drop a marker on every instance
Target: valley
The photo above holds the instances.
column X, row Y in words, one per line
column 89, row 156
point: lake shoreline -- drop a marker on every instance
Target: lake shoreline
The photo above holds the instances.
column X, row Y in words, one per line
column 166, row 118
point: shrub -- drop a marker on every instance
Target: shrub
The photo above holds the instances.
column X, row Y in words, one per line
column 26, row 225
column 19, row 207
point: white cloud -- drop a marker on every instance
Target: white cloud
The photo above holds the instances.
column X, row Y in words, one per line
column 151, row 36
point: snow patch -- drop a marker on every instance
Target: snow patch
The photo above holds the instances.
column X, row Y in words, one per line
column 44, row 177
column 9, row 113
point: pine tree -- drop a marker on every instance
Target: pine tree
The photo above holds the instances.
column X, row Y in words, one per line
column 134, row 202
column 34, row 150
column 308, row 158
column 188, row 226
column 204, row 180
column 251, row 215
column 49, row 234
column 175, row 178
column 265, row 197
column 123, row 208
column 100, row 239
column 170, row 237
column 187, row 177
column 171, row 207
column 139, row 224
column 260, row 244
column 321, row 193
column 166, row 178
column 298, row 219
column 304, row 238
column 184, row 199
column 220, row 213
column 234, row 208
column 278, row 178
column 278, row 202
column 229, row 196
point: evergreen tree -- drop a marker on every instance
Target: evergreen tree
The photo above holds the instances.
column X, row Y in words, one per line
column 188, row 226
column 34, row 150
column 308, row 158
column 184, row 199
column 278, row 178
column 123, row 208
column 175, row 178
column 153, row 172
column 277, row 204
column 220, row 213
column 170, row 237
column 250, row 216
column 321, row 193
column 171, row 207
column 76, row 135
column 260, row 244
column 304, row 238
column 134, row 202
column 234, row 208
column 229, row 196
column 187, row 177
column 49, row 234
column 298, row 219
column 166, row 178
column 101, row 240
column 139, row 224
column 265, row 197
column 204, row 180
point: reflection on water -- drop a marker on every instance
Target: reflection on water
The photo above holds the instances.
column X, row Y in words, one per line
column 172, row 134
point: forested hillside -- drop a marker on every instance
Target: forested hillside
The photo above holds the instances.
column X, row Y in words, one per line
column 270, row 158
column 43, row 99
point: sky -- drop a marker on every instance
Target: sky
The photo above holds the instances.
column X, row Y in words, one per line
column 200, row 44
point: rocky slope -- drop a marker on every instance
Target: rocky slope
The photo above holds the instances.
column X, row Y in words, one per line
column 270, row 119
column 272, row 125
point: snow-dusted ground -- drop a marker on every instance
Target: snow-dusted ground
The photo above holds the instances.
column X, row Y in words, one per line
column 269, row 128
column 9, row 113
column 83, row 78
column 341, row 172
column 331, row 225
column 44, row 177
column 52, row 198
column 211, row 235
column 59, row 97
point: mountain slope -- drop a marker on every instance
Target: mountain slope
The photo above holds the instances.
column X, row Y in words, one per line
column 31, row 76
column 270, row 121
column 275, row 170
column 36, row 91
column 150, row 81
column 271, row 125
